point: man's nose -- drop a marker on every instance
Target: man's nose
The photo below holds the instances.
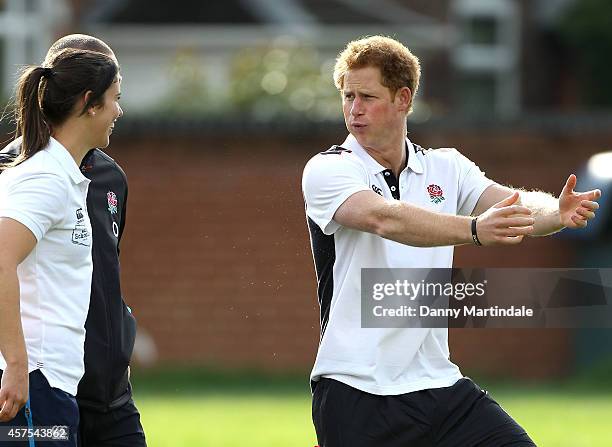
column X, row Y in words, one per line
column 356, row 107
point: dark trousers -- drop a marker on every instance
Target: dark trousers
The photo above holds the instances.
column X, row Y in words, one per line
column 462, row 415
column 48, row 407
column 119, row 427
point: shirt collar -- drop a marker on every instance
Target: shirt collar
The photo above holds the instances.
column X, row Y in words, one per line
column 414, row 157
column 63, row 157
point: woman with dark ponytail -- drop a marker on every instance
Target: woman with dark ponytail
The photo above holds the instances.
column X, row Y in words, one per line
column 62, row 111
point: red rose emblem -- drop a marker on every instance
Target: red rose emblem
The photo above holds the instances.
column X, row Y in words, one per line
column 112, row 198
column 435, row 193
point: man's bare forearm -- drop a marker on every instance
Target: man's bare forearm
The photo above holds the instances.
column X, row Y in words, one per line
column 12, row 343
column 545, row 211
column 503, row 223
column 412, row 225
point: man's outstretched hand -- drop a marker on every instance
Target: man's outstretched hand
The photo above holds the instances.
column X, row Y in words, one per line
column 577, row 208
column 505, row 223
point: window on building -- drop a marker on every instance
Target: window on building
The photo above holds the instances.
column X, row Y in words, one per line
column 481, row 31
column 477, row 94
column 30, row 6
column 487, row 56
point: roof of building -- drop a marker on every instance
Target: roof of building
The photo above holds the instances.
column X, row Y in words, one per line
column 252, row 12
column 182, row 12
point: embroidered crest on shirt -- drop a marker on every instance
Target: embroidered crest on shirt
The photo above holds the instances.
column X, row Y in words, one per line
column 80, row 233
column 435, row 193
column 111, row 197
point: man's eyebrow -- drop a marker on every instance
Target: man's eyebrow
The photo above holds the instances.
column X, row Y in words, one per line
column 361, row 91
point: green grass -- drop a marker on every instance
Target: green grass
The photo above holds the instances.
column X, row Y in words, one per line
column 560, row 420
column 228, row 421
column 250, row 410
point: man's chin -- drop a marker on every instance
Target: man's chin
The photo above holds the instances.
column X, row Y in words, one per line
column 360, row 137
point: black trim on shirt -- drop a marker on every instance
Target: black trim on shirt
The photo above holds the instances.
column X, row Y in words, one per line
column 420, row 149
column 392, row 182
column 336, row 150
column 324, row 254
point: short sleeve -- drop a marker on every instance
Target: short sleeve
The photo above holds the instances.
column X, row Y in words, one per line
column 327, row 182
column 35, row 200
column 472, row 183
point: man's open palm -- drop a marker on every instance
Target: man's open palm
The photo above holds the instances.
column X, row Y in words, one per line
column 577, row 208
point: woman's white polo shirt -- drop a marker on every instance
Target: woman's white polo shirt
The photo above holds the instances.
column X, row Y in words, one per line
column 47, row 194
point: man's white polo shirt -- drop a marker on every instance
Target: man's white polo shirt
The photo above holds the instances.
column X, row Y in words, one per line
column 380, row 361
column 47, row 194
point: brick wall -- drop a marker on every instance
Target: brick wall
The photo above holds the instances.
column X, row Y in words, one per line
column 216, row 259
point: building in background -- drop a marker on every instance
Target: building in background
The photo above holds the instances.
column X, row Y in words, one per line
column 268, row 59
column 216, row 261
column 261, row 58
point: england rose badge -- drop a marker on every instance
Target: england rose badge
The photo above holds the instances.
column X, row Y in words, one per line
column 435, row 193
column 112, row 202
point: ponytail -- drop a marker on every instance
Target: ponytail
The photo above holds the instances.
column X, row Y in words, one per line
column 29, row 116
column 47, row 96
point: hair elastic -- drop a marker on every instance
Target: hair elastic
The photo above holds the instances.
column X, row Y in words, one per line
column 47, row 72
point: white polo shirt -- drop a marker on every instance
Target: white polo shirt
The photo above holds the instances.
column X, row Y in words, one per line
column 47, row 193
column 380, row 361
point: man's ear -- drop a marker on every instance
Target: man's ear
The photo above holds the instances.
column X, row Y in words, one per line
column 403, row 98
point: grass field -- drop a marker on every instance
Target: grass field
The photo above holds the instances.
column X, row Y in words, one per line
column 257, row 412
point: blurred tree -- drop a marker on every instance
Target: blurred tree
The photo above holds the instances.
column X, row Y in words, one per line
column 586, row 28
column 187, row 92
column 284, row 80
